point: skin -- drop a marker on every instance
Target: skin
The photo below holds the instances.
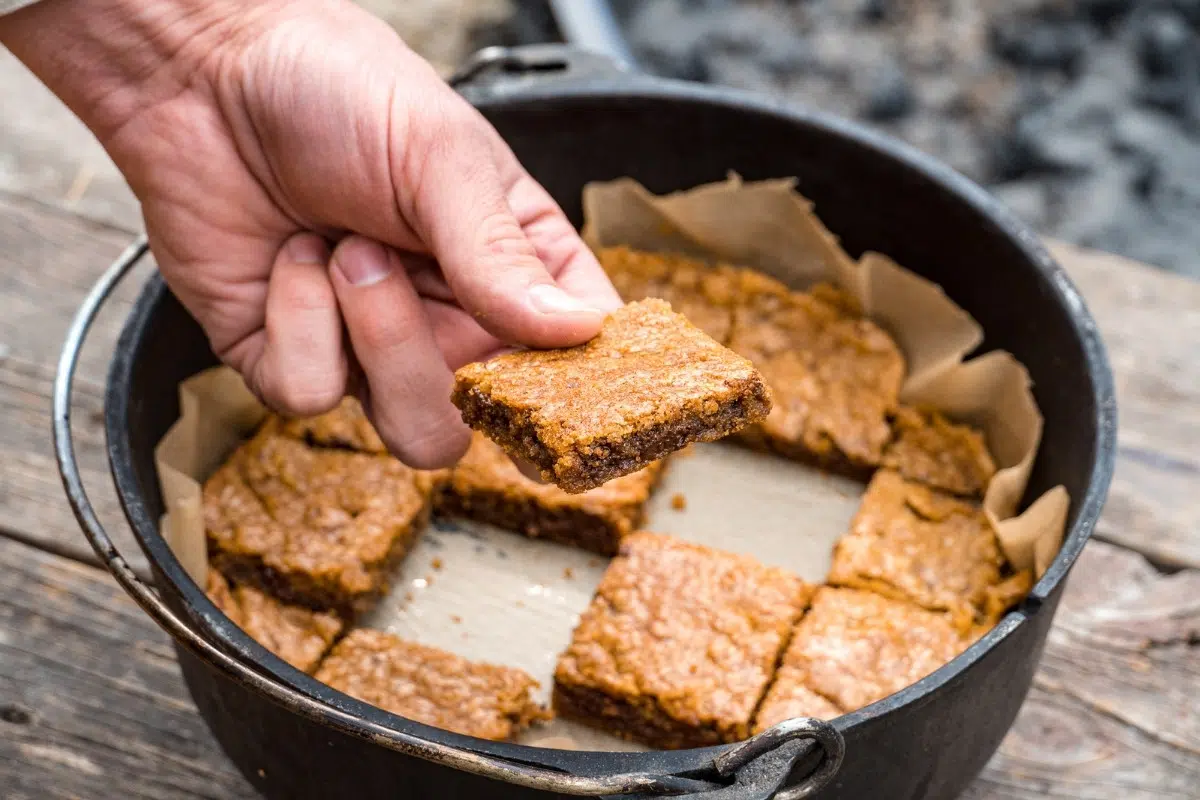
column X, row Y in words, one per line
column 335, row 217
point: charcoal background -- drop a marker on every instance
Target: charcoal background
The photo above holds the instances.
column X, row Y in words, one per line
column 1082, row 115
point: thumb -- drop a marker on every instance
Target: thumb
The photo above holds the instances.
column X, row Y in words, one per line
column 462, row 213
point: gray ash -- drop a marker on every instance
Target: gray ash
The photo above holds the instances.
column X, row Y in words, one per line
column 1083, row 115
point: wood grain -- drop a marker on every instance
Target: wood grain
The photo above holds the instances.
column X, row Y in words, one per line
column 1113, row 714
column 1150, row 321
column 48, row 261
column 92, row 705
column 91, row 701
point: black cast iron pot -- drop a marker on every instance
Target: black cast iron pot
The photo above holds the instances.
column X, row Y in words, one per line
column 572, row 119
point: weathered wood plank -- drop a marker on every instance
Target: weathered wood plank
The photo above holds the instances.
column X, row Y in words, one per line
column 48, row 260
column 1151, row 321
column 91, row 701
column 48, row 154
column 1113, row 713
column 1151, row 324
column 92, row 705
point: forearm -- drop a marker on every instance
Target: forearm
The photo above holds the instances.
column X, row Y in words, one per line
column 110, row 59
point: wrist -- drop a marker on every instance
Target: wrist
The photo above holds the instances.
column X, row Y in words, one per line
column 110, row 60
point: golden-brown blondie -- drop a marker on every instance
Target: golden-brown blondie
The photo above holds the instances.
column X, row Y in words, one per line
column 433, row 686
column 679, row 644
column 300, row 636
column 647, row 385
column 316, row 527
column 834, row 376
column 913, row 543
column 486, row 486
column 930, row 449
column 853, row 648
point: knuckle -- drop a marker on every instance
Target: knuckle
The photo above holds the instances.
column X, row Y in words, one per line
column 434, row 447
column 305, row 396
column 309, row 294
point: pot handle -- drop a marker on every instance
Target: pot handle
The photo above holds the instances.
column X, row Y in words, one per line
column 506, row 71
column 758, row 766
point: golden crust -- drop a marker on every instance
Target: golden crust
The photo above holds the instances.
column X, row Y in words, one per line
column 679, row 643
column 316, row 527
column 702, row 293
column 485, row 485
column 834, row 376
column 913, row 543
column 433, row 686
column 853, row 648
column 930, row 449
column 298, row 635
column 647, row 385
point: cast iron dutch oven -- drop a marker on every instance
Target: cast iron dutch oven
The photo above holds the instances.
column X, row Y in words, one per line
column 573, row 118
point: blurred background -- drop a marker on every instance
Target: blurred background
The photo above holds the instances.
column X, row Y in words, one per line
column 1082, row 115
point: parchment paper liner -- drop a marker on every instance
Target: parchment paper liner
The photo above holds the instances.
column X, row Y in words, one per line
column 769, row 226
column 797, row 512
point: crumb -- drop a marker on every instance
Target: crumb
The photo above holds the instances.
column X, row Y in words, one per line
column 520, row 604
column 428, row 580
column 456, row 619
column 568, row 573
column 262, row 773
column 678, row 501
column 436, row 563
column 408, row 597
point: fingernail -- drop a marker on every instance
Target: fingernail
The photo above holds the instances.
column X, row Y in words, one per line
column 362, row 262
column 550, row 299
column 307, row 248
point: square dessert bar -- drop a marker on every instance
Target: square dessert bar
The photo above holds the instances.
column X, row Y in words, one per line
column 679, row 644
column 929, row 449
column 486, row 486
column 853, row 648
column 432, row 686
column 315, row 527
column 913, row 543
column 702, row 293
column 300, row 636
column 647, row 385
column 834, row 376
column 346, row 427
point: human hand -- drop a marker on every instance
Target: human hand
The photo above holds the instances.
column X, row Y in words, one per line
column 256, row 134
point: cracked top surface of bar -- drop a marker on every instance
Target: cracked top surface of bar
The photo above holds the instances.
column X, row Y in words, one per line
column 318, row 526
column 853, row 648
column 930, row 449
column 433, row 686
column 835, row 376
column 685, row 638
column 913, row 543
column 298, row 635
column 647, row 385
column 704, row 294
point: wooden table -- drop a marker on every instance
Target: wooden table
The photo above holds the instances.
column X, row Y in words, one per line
column 91, row 702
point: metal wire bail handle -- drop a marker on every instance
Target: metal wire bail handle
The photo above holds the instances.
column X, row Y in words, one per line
column 724, row 766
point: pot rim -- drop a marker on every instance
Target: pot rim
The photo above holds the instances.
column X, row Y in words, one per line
column 637, row 88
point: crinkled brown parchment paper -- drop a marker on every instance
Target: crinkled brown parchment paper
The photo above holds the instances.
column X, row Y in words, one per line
column 769, row 226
